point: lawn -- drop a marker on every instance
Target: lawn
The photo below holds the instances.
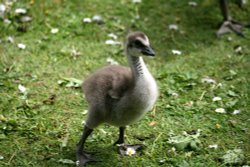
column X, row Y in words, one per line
column 202, row 116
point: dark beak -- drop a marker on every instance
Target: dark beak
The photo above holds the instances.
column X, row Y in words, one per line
column 147, row 50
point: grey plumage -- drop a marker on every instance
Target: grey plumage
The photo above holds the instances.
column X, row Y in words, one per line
column 119, row 95
column 103, row 90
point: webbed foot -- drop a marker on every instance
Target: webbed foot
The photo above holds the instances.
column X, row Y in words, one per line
column 83, row 158
column 229, row 26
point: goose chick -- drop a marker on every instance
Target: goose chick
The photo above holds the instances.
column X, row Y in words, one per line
column 119, row 95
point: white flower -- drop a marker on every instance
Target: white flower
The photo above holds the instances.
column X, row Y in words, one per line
column 2, row 10
column 20, row 11
column 244, row 2
column 97, row 19
column 130, row 151
column 189, row 103
column 219, row 85
column 84, row 112
column 229, row 38
column 87, row 20
column 236, row 112
column 217, row 99
column 7, row 21
column 54, row 30
column 191, row 3
column 173, row 27
column 103, row 131
column 77, row 163
column 22, row 89
column 111, row 35
column 220, row 110
column 173, row 149
column 176, row 52
column 112, row 42
column 25, row 19
column 75, row 53
column 10, row 39
column 136, row 1
column 21, row 46
column 111, row 61
column 238, row 49
column 174, row 94
column 208, row 80
column 213, row 146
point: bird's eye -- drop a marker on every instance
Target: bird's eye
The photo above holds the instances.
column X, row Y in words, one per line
column 138, row 44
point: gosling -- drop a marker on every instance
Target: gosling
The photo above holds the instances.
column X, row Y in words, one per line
column 119, row 95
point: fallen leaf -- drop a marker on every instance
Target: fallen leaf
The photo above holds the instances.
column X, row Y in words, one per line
column 70, row 82
column 103, row 131
column 232, row 93
column 3, row 136
column 65, row 140
column 218, row 126
column 66, row 161
column 232, row 72
column 153, row 123
column 185, row 141
column 188, row 154
column 232, row 123
column 183, row 164
column 233, row 157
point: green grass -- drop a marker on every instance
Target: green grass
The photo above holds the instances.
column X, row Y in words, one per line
column 39, row 132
